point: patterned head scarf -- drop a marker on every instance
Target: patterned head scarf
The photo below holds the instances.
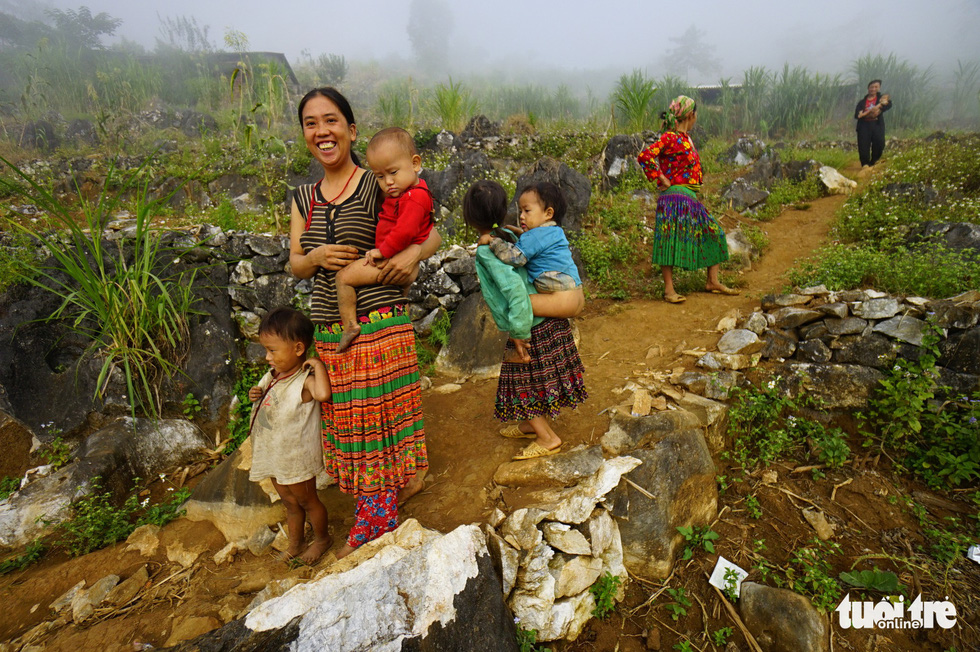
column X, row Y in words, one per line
column 679, row 108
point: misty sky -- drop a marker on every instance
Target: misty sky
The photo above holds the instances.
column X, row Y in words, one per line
column 587, row 35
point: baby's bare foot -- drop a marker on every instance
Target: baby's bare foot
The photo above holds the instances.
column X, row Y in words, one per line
column 344, row 551
column 315, row 550
column 414, row 486
column 350, row 334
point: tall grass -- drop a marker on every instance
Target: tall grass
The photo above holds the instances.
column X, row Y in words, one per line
column 966, row 93
column 633, row 101
column 453, row 105
column 131, row 302
column 397, row 104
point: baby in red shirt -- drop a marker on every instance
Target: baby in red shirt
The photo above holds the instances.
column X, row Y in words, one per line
column 405, row 219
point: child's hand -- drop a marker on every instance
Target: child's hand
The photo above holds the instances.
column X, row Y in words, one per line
column 485, row 239
column 313, row 364
column 373, row 257
column 513, row 228
column 254, row 393
column 522, row 349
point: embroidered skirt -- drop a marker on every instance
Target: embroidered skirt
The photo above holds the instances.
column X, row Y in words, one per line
column 552, row 380
column 685, row 235
column 373, row 434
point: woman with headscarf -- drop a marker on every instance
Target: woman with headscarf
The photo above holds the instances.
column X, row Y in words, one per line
column 685, row 235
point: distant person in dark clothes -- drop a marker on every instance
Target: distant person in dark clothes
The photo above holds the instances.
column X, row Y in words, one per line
column 871, row 123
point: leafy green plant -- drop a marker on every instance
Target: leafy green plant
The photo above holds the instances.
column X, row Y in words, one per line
column 697, row 536
column 810, row 574
column 753, row 507
column 731, row 584
column 133, row 304
column 874, row 580
column 440, row 330
column 8, row 486
column 32, row 553
column 938, row 442
column 246, row 376
column 681, row 602
column 527, row 640
column 720, row 637
column 604, row 591
column 190, row 406
column 96, row 522
column 683, row 646
column 57, row 453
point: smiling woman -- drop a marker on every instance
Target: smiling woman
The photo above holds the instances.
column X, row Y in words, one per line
column 372, row 427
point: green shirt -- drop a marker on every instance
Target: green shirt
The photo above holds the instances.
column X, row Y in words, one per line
column 506, row 290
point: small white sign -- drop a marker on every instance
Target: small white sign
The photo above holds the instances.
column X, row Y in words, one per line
column 734, row 574
column 973, row 553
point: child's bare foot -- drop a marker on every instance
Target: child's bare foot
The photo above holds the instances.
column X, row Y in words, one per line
column 350, row 334
column 316, row 550
column 415, row 485
column 344, row 551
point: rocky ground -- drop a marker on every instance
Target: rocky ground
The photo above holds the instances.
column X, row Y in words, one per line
column 190, row 593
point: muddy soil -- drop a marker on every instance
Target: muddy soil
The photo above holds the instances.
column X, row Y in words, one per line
column 617, row 339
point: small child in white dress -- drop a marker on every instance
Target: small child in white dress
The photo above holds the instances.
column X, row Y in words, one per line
column 285, row 427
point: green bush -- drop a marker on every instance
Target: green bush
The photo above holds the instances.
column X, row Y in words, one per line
column 96, row 523
column 924, row 270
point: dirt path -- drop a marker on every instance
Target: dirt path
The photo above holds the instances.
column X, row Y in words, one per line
column 464, row 451
column 616, row 338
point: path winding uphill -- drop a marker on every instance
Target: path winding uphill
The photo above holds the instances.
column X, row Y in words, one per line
column 617, row 339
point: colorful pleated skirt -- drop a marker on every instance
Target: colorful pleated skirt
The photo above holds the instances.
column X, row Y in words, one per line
column 685, row 235
column 552, row 380
column 373, row 433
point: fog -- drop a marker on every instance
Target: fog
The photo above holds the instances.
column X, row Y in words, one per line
column 525, row 37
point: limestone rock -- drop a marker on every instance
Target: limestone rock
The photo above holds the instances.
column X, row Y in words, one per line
column 779, row 344
column 475, row 346
column 566, row 539
column 904, row 329
column 781, row 620
column 233, row 504
column 789, row 318
column 626, row 433
column 145, row 538
column 506, row 560
column 882, row 308
column 837, row 309
column 260, row 541
column 191, row 627
column 128, row 589
column 679, row 474
column 560, row 470
column 711, row 415
column 756, row 322
column 439, row 593
column 520, row 528
column 837, row 386
column 86, row 600
column 576, row 575
column 741, row 341
column 576, row 504
column 66, row 598
column 176, row 552
column 835, row 182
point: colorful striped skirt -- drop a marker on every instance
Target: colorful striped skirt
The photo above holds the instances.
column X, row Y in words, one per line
column 685, row 235
column 552, row 380
column 373, row 434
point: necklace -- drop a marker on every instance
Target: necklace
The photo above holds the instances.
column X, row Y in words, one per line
column 314, row 203
column 346, row 183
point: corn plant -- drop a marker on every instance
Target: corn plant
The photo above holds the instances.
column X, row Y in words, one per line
column 131, row 303
column 633, row 100
column 966, row 92
column 909, row 87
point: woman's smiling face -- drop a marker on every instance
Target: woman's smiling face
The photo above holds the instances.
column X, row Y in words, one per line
column 327, row 133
